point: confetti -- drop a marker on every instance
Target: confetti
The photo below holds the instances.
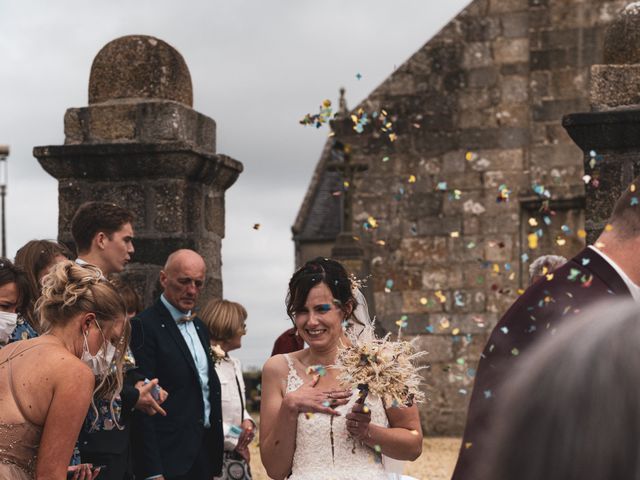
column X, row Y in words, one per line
column 487, row 394
column 533, row 241
column 504, row 330
column 632, row 187
column 256, row 226
column 515, row 352
column 442, row 186
column 533, row 222
column 455, row 331
column 412, row 179
column 524, row 257
column 402, row 323
column 440, row 296
column 320, row 118
column 634, row 201
column 503, row 193
column 586, row 261
column 582, row 233
column 385, row 159
column 586, row 179
column 319, row 370
column 455, row 234
column 358, row 76
column 388, row 285
column 444, row 323
column 429, row 329
column 424, row 300
column 608, row 227
column 561, row 241
column 470, row 156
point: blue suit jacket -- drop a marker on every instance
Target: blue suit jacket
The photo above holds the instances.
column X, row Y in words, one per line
column 169, row 445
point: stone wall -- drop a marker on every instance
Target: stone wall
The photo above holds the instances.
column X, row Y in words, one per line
column 481, row 162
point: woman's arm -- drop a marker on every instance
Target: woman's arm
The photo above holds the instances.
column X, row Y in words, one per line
column 279, row 415
column 402, row 440
column 278, row 421
column 72, row 391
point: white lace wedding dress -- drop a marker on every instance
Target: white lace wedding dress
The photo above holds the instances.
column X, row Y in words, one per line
column 324, row 450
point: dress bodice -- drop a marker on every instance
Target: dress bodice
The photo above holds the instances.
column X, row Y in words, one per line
column 18, row 441
column 324, row 449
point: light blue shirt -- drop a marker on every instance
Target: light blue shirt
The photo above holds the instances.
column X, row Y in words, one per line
column 190, row 335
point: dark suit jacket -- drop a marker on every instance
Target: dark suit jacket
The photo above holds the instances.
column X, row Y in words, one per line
column 585, row 279
column 169, row 445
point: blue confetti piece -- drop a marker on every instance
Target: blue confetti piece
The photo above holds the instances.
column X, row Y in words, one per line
column 524, row 257
column 429, row 329
column 504, row 330
column 634, row 201
column 565, row 229
column 547, row 220
column 507, row 266
column 487, row 394
column 586, row 261
column 442, row 186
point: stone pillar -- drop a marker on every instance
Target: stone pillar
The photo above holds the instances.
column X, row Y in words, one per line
column 609, row 135
column 141, row 145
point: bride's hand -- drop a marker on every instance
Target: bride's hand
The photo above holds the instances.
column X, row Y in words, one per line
column 358, row 421
column 308, row 399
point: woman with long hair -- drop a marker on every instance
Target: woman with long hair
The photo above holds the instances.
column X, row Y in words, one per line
column 312, row 427
column 42, row 409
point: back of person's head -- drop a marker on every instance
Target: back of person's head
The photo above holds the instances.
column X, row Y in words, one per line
column 571, row 410
column 10, row 273
column 70, row 289
column 625, row 218
column 314, row 272
column 545, row 265
column 35, row 258
column 223, row 318
column 132, row 300
column 94, row 217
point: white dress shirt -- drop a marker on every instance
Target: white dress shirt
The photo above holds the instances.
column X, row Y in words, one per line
column 633, row 288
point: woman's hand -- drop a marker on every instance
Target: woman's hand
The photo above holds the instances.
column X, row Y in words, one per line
column 308, row 399
column 358, row 421
column 83, row 472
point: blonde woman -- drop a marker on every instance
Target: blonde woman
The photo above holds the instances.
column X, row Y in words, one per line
column 226, row 322
column 42, row 409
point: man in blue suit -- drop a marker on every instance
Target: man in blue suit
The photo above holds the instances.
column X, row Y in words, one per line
column 172, row 344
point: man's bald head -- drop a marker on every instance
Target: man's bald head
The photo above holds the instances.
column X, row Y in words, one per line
column 182, row 278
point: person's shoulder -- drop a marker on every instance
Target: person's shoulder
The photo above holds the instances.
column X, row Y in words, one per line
column 276, row 365
column 151, row 313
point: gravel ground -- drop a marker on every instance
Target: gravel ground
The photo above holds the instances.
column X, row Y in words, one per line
column 436, row 462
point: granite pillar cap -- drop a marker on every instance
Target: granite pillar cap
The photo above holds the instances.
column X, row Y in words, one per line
column 622, row 37
column 139, row 66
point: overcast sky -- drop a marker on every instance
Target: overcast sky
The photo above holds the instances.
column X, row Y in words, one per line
column 257, row 67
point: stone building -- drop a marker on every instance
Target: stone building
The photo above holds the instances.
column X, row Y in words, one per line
column 470, row 177
column 140, row 144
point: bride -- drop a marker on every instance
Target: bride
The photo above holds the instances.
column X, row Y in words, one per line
column 312, row 428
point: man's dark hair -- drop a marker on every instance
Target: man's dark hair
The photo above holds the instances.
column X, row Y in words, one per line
column 94, row 217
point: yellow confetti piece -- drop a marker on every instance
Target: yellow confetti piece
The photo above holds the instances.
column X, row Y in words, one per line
column 470, row 156
column 582, row 234
column 381, row 242
column 455, row 234
column 533, row 222
column 608, row 227
column 549, row 277
column 455, row 331
column 372, row 222
column 496, row 268
column 440, row 296
column 346, row 184
column 520, row 291
column 309, row 415
column 600, row 245
column 412, row 179
column 468, row 445
column 533, row 241
column 444, row 323
column 633, row 187
column 512, row 276
column 561, row 241
column 326, row 103
column 393, row 137
column 365, row 409
column 424, row 300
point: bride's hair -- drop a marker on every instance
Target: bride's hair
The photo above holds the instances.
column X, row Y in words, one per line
column 317, row 271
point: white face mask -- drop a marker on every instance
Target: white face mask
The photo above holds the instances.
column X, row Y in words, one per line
column 101, row 361
column 8, row 323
